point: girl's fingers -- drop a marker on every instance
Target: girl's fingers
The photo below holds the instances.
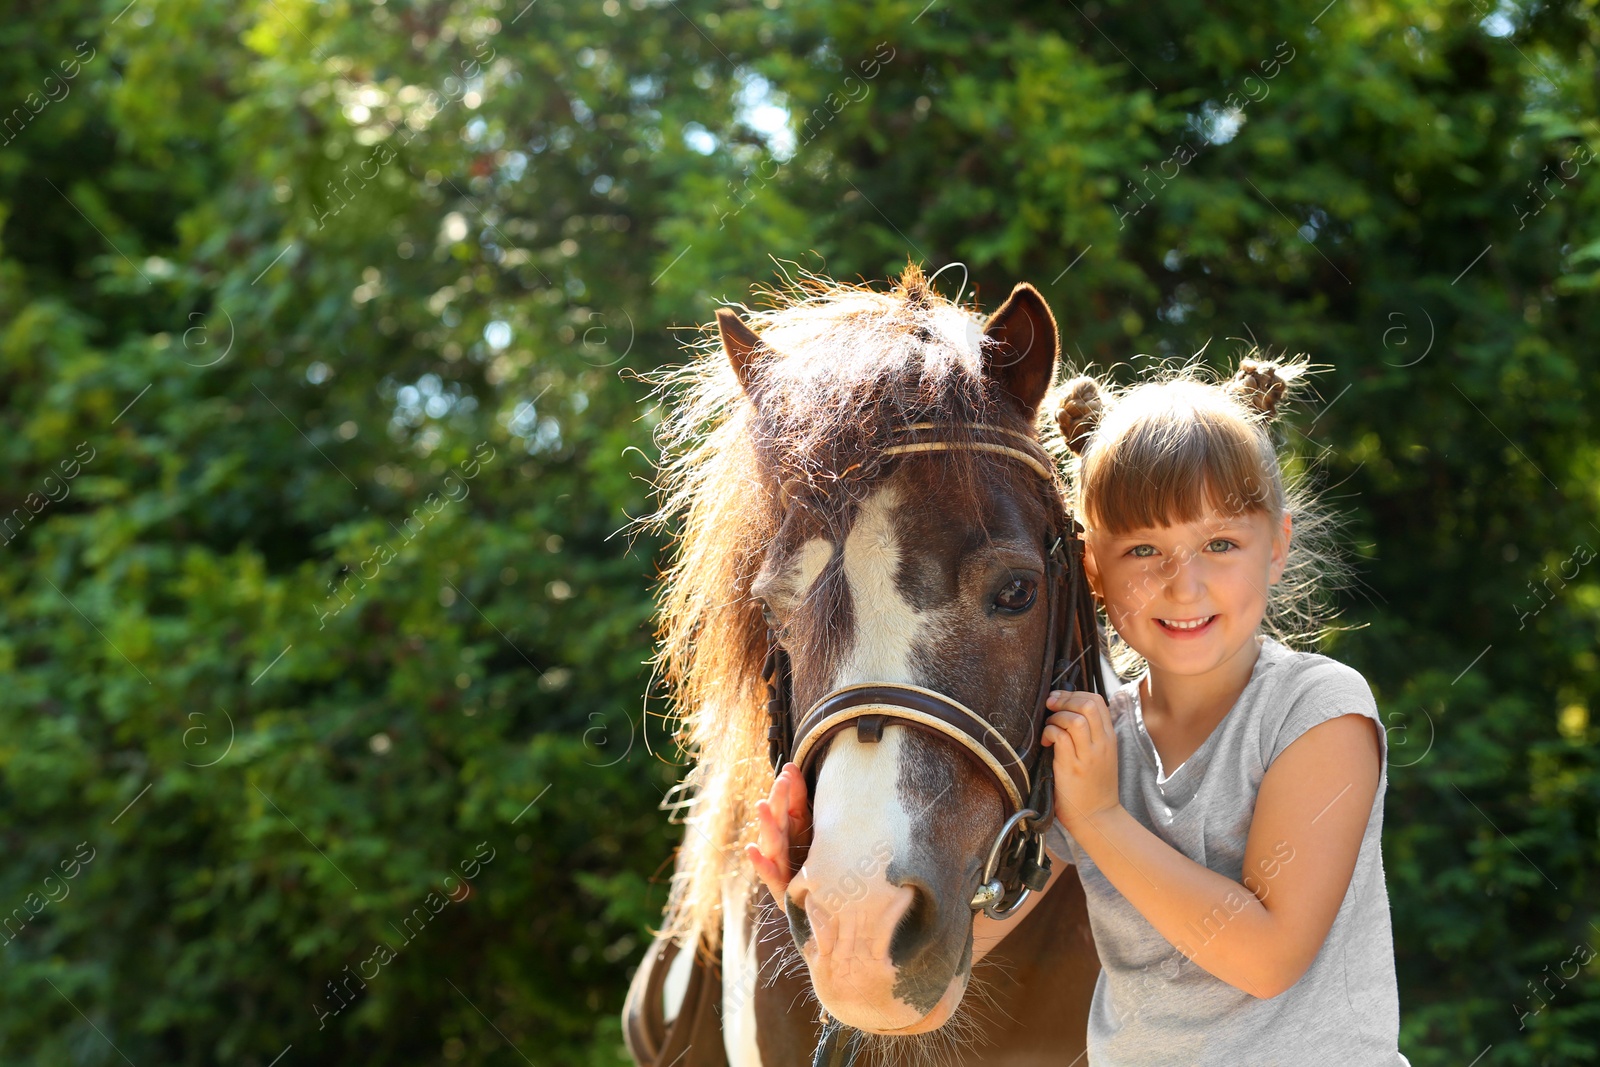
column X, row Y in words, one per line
column 1056, row 731
column 1073, row 725
column 795, row 784
column 1090, row 706
column 798, row 807
column 778, row 804
column 769, row 874
column 800, row 835
column 780, row 798
column 772, row 840
column 782, row 821
column 1087, row 707
column 1107, row 729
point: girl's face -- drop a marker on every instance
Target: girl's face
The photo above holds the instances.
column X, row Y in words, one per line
column 1188, row 597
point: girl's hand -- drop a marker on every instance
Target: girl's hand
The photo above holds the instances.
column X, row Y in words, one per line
column 1085, row 758
column 783, row 822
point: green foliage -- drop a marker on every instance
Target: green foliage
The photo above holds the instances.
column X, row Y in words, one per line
column 318, row 332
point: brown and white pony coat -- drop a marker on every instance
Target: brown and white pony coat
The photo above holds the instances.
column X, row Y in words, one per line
column 925, row 569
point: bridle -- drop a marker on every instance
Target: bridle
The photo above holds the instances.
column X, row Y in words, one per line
column 1017, row 863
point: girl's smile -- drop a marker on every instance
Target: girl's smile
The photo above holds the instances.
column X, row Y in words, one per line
column 1186, row 629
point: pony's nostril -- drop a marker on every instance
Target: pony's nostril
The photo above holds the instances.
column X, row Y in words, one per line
column 916, row 928
column 799, row 924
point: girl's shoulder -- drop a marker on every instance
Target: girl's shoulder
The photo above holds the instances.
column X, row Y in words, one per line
column 1313, row 677
column 1300, row 690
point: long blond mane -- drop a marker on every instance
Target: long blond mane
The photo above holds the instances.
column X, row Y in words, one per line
column 848, row 365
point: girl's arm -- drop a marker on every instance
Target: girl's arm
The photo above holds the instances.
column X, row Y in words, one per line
column 1310, row 815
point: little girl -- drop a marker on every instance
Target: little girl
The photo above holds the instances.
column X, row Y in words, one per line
column 1224, row 809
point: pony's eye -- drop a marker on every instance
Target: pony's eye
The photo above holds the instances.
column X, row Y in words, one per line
column 1017, row 595
column 768, row 614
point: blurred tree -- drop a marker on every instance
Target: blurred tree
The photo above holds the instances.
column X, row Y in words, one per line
column 317, row 331
column 316, row 462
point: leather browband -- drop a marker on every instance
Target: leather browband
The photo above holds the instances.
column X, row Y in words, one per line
column 1031, row 458
column 969, row 446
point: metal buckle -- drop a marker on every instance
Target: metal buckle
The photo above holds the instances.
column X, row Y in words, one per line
column 1026, row 855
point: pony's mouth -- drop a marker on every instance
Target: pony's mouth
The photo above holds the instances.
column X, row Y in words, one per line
column 936, row 1017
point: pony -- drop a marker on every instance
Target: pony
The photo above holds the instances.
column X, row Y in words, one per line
column 803, row 516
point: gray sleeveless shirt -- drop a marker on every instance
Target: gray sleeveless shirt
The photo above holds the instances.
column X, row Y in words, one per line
column 1152, row 1005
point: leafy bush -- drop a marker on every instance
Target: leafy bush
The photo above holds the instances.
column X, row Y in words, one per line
column 318, row 325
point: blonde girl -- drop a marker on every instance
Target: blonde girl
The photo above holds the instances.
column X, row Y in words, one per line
column 1225, row 808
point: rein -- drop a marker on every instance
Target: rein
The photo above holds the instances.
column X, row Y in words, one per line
column 1017, row 864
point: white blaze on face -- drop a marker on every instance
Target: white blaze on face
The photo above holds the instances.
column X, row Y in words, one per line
column 860, row 820
column 887, row 626
column 807, row 566
column 860, row 824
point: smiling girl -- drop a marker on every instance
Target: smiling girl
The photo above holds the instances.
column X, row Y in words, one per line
column 1225, row 808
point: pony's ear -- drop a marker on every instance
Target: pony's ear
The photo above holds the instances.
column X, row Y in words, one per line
column 739, row 341
column 1020, row 347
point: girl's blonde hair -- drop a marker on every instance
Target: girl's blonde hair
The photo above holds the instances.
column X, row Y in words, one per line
column 1163, row 451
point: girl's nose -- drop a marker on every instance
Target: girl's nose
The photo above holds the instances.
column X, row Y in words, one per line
column 1186, row 583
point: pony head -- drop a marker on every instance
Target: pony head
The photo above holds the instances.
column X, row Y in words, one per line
column 872, row 564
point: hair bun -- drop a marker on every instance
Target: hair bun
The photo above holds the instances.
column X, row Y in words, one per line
column 1261, row 385
column 1078, row 413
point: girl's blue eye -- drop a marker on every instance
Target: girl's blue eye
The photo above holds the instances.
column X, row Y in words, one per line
column 1134, row 551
